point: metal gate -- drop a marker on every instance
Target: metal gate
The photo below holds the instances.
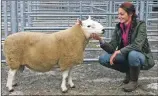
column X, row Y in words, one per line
column 54, row 15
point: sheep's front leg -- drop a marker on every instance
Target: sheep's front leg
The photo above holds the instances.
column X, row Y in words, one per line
column 11, row 77
column 70, row 80
column 64, row 77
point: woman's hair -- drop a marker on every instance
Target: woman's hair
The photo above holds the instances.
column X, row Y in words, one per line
column 130, row 9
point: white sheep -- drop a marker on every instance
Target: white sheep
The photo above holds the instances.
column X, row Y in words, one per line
column 41, row 52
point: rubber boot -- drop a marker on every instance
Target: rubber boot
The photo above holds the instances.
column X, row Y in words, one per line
column 127, row 78
column 134, row 74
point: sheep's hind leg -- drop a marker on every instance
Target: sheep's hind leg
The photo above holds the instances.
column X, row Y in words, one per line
column 11, row 77
column 64, row 77
column 21, row 69
column 70, row 80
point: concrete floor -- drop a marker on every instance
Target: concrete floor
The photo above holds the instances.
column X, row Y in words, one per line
column 89, row 79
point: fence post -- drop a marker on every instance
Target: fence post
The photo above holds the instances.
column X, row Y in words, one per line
column 110, row 18
column 14, row 23
column 29, row 10
column 137, row 7
column 142, row 10
column 147, row 12
column 22, row 10
column 80, row 10
column 5, row 19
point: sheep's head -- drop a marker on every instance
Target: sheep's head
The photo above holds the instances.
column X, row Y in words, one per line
column 89, row 26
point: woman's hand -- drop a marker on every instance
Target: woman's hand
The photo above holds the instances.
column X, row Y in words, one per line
column 113, row 56
column 95, row 36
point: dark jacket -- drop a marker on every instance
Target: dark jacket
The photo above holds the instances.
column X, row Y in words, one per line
column 137, row 41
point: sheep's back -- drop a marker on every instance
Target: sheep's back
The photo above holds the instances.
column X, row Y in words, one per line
column 31, row 49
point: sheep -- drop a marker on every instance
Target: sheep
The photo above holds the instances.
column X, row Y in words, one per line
column 41, row 52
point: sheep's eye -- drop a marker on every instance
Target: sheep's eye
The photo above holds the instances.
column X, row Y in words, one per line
column 88, row 26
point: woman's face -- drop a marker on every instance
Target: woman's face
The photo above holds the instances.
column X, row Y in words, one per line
column 123, row 16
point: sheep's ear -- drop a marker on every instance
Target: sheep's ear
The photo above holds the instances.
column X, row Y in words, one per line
column 79, row 21
column 89, row 17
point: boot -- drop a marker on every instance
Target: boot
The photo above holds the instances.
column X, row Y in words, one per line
column 134, row 74
column 127, row 78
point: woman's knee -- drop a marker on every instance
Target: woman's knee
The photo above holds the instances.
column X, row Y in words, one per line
column 104, row 59
column 119, row 59
column 136, row 58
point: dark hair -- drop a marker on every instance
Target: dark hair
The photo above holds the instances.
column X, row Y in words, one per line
column 130, row 9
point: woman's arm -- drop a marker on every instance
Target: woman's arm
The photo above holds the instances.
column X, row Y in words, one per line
column 113, row 44
column 108, row 47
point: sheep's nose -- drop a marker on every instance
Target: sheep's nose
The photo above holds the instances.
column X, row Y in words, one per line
column 103, row 31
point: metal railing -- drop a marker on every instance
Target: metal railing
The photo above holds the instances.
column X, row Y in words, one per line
column 47, row 15
column 22, row 15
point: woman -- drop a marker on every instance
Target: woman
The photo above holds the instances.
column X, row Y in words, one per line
column 128, row 51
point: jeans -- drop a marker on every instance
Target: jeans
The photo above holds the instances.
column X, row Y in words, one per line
column 122, row 63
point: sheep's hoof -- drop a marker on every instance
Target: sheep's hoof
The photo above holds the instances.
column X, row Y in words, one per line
column 65, row 90
column 14, row 85
column 11, row 90
column 73, row 86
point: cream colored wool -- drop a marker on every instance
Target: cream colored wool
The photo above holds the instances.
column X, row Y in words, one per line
column 41, row 51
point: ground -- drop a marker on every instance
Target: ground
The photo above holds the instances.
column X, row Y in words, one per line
column 89, row 79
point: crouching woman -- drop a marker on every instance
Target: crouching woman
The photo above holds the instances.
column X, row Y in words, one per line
column 128, row 51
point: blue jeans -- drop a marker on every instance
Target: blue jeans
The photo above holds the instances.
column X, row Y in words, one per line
column 122, row 63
